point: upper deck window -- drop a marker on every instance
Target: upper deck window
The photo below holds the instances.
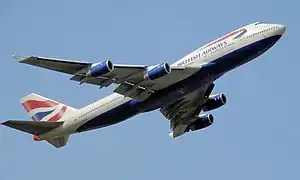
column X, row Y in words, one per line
column 257, row 23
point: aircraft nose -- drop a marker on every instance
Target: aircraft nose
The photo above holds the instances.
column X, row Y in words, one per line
column 281, row 29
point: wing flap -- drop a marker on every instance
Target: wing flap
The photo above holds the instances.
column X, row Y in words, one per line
column 32, row 127
column 134, row 91
column 99, row 81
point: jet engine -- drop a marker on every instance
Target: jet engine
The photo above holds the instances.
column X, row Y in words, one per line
column 100, row 69
column 158, row 71
column 201, row 122
column 214, row 102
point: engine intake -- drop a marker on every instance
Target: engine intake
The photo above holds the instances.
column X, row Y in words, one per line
column 201, row 122
column 158, row 71
column 214, row 102
column 100, row 69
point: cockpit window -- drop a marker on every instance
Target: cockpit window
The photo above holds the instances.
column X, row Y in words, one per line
column 257, row 23
column 244, row 31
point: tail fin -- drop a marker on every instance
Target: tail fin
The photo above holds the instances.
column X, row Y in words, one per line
column 47, row 115
column 41, row 108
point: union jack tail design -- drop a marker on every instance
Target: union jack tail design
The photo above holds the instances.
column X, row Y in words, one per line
column 40, row 108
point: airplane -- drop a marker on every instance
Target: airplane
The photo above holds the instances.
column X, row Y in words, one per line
column 181, row 91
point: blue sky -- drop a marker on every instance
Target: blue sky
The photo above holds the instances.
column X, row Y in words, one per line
column 255, row 136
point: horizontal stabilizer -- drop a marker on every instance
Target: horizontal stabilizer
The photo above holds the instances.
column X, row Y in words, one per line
column 32, row 127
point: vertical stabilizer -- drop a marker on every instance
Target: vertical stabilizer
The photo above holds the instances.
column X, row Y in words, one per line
column 41, row 108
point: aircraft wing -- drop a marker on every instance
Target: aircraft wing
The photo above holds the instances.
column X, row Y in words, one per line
column 130, row 78
column 183, row 109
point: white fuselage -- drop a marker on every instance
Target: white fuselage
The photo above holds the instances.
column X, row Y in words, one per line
column 111, row 108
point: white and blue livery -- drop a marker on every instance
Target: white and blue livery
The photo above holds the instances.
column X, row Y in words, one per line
column 181, row 91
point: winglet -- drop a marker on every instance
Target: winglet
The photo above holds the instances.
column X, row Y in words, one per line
column 171, row 134
column 20, row 58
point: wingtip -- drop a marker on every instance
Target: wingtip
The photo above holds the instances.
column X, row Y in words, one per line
column 4, row 123
column 20, row 58
column 171, row 135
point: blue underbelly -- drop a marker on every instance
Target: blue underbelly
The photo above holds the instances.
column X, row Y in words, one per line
column 113, row 116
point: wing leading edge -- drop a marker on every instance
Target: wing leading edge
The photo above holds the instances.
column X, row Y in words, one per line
column 129, row 78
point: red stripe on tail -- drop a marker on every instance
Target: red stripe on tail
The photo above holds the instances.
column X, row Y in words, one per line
column 33, row 104
column 58, row 115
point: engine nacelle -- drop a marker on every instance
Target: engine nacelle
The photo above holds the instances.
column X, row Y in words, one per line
column 201, row 122
column 158, row 71
column 214, row 102
column 100, row 69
